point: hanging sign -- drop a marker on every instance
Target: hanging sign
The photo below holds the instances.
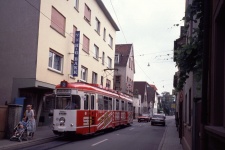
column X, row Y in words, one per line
column 76, row 54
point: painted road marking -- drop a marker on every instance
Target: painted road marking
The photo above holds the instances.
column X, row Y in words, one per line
column 99, row 142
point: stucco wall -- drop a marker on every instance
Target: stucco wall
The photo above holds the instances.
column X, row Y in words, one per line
column 18, row 48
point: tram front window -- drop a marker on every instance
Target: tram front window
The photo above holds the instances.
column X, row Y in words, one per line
column 68, row 102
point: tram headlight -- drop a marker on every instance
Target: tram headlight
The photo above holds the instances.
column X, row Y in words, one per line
column 62, row 121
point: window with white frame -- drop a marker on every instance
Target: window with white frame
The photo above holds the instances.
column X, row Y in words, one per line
column 117, row 59
column 87, row 13
column 109, row 62
column 103, row 58
column 84, row 72
column 76, row 6
column 110, row 41
column 55, row 60
column 104, row 34
column 96, row 51
column 97, row 27
column 94, row 77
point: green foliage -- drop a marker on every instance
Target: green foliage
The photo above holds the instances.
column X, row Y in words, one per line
column 189, row 57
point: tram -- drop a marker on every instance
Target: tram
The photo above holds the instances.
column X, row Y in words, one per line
column 82, row 108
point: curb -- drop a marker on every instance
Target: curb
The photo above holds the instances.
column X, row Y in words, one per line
column 163, row 139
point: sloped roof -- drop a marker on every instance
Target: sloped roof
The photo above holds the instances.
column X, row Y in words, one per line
column 141, row 86
column 107, row 14
column 124, row 51
column 153, row 86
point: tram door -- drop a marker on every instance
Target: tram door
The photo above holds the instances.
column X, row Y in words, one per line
column 89, row 105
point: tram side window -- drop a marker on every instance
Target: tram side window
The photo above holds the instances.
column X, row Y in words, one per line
column 117, row 104
column 106, row 103
column 110, row 104
column 92, row 102
column 125, row 106
column 100, row 102
column 86, row 102
column 122, row 105
column 130, row 106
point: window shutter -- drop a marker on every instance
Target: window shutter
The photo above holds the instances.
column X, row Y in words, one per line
column 58, row 21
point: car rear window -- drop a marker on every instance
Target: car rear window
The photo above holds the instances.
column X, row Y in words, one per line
column 158, row 116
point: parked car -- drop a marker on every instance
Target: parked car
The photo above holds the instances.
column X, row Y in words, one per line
column 144, row 117
column 158, row 119
column 161, row 112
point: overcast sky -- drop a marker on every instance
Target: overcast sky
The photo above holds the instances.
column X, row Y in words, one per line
column 149, row 26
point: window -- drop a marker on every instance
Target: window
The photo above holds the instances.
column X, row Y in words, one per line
column 108, row 83
column 109, row 62
column 96, row 51
column 102, row 80
column 129, row 63
column 86, row 42
column 87, row 13
column 110, row 104
column 104, row 34
column 76, row 101
column 86, row 102
column 117, row 104
column 103, row 58
column 94, row 77
column 100, row 102
column 58, row 21
column 84, row 72
column 117, row 83
column 122, row 105
column 110, row 41
column 185, row 112
column 106, row 103
column 189, row 108
column 92, row 102
column 71, row 68
column 55, row 61
column 76, row 6
column 97, row 27
column 116, row 58
column 74, row 33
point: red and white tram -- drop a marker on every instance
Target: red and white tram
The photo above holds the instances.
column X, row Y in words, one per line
column 82, row 108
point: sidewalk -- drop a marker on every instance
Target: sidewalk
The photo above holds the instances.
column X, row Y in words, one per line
column 170, row 140
column 42, row 135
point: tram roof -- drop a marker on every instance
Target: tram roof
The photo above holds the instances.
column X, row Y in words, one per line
column 94, row 88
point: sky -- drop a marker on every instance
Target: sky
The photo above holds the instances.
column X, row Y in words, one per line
column 151, row 26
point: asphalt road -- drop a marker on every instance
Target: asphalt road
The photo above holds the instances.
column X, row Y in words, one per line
column 139, row 136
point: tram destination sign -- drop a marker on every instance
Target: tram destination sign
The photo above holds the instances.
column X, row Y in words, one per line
column 63, row 91
column 76, row 54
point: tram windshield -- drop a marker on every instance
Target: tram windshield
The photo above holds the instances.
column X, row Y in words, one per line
column 70, row 103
